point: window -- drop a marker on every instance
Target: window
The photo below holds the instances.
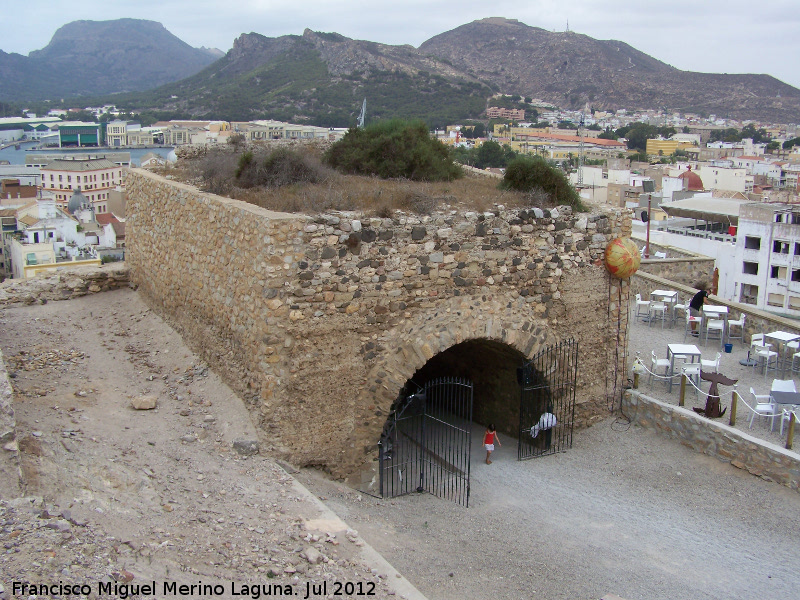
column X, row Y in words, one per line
column 750, row 268
column 780, row 247
column 749, row 294
column 752, row 243
column 795, row 274
column 794, row 302
column 796, row 249
column 773, row 272
column 775, row 300
column 778, row 273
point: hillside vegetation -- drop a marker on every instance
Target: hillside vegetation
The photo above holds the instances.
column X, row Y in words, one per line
column 313, row 187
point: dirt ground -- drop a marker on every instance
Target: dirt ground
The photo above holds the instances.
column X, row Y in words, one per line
column 162, row 495
column 157, row 495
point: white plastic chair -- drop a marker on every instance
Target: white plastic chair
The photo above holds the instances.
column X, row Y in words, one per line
column 658, row 310
column 738, row 323
column 678, row 307
column 711, row 366
column 692, row 371
column 689, row 320
column 656, row 364
column 718, row 326
column 641, row 304
column 763, row 406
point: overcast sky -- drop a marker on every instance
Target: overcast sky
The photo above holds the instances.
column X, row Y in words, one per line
column 730, row 36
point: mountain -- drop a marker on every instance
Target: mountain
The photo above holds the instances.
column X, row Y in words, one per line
column 320, row 78
column 569, row 69
column 100, row 57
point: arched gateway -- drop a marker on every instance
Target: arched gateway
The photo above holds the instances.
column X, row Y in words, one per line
column 436, row 422
column 322, row 322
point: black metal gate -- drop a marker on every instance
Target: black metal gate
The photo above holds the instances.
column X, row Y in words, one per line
column 425, row 445
column 547, row 402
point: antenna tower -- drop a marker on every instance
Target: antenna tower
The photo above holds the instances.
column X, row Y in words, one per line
column 363, row 115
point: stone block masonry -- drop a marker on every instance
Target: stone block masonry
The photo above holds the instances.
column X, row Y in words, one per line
column 760, row 458
column 319, row 321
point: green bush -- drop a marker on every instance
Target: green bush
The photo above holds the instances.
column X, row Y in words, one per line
column 529, row 174
column 393, row 149
column 279, row 168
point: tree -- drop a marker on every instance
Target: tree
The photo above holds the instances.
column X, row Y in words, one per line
column 791, row 143
column 638, row 134
column 528, row 174
column 490, row 154
column 391, row 149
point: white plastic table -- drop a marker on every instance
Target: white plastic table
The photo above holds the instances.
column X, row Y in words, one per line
column 689, row 352
column 782, row 338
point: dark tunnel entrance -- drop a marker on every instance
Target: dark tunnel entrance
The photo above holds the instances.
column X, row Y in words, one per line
column 427, row 440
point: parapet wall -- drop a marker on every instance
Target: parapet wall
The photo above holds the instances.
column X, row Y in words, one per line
column 320, row 321
column 760, row 458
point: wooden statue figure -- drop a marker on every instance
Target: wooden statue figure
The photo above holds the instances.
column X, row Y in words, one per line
column 712, row 409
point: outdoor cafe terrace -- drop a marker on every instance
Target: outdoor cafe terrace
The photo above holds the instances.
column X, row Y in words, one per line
column 677, row 350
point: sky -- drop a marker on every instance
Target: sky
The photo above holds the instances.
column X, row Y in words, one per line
column 713, row 36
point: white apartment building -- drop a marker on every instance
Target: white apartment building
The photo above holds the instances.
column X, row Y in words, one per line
column 767, row 258
column 95, row 177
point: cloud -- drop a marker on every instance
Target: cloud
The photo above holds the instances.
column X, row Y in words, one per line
column 733, row 36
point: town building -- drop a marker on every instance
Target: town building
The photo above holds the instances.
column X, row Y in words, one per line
column 80, row 134
column 515, row 114
column 767, row 258
column 95, row 177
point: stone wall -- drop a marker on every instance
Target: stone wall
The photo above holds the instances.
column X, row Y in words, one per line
column 713, row 438
column 320, row 322
column 686, row 271
column 70, row 283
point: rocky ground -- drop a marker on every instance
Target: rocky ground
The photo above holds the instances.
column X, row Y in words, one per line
column 174, row 492
column 114, row 495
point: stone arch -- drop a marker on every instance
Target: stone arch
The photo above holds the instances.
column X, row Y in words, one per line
column 414, row 342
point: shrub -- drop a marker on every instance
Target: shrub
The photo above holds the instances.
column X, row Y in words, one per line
column 529, row 174
column 393, row 149
column 279, row 168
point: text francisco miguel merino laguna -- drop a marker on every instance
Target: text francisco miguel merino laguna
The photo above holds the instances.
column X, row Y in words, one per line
column 172, row 588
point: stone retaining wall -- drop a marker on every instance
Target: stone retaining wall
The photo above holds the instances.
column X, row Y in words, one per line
column 66, row 284
column 714, row 438
column 319, row 322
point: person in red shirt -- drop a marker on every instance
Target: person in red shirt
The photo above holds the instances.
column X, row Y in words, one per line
column 489, row 438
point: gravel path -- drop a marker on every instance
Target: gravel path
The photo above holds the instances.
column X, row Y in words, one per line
column 624, row 512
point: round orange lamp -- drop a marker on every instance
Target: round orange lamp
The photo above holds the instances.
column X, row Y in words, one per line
column 622, row 258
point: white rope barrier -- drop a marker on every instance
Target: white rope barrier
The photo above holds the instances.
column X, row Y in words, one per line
column 638, row 362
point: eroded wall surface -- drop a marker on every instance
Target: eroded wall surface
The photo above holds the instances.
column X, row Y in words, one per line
column 319, row 322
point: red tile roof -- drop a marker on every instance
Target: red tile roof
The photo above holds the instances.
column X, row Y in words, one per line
column 105, row 218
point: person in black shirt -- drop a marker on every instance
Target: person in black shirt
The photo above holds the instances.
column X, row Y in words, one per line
column 695, row 306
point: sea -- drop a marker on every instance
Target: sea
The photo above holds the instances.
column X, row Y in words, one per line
column 16, row 156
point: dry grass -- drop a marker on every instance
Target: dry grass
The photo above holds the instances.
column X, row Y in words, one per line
column 378, row 197
column 371, row 195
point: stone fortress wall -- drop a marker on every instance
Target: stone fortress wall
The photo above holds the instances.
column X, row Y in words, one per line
column 319, row 322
